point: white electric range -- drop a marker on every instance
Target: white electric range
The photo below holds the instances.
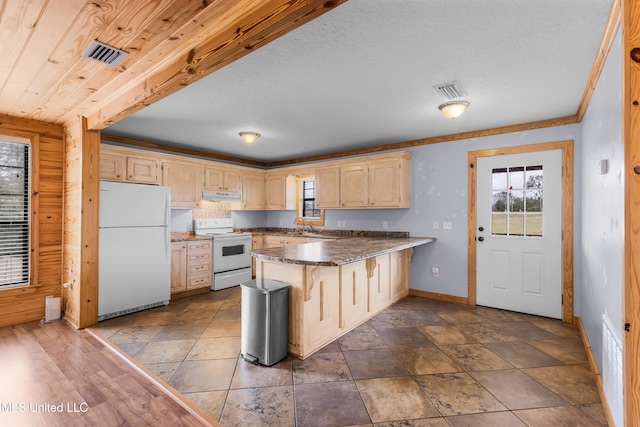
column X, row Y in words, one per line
column 231, row 251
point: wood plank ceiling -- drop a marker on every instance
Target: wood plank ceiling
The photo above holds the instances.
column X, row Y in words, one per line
column 171, row 43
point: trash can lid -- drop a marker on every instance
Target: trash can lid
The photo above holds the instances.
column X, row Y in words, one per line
column 265, row 285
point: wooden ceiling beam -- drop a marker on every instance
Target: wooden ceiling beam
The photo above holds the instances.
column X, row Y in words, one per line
column 136, row 28
column 207, row 43
column 69, row 83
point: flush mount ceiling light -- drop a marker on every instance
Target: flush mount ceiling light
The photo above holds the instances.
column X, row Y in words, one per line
column 453, row 109
column 453, row 92
column 249, row 137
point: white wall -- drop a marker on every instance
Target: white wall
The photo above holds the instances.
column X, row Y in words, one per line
column 603, row 204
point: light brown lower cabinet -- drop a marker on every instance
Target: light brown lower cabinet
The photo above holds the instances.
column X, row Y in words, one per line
column 191, row 265
column 178, row 267
column 327, row 302
column 257, row 242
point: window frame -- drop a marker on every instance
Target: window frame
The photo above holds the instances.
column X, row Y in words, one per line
column 31, row 141
column 300, row 219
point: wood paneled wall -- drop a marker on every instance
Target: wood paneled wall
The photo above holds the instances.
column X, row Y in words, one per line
column 27, row 303
column 631, row 135
column 81, row 198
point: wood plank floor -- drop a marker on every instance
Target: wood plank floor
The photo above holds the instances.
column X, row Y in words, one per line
column 52, row 374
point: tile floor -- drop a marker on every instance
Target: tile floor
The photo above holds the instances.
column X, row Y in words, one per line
column 422, row 362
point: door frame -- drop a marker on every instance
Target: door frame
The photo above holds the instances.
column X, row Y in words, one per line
column 567, row 216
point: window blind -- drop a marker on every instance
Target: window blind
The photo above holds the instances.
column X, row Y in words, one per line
column 309, row 199
column 14, row 213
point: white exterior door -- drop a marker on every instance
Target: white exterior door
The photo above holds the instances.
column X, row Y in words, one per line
column 519, row 235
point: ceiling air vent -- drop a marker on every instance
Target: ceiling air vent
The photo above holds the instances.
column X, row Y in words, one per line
column 452, row 90
column 104, row 53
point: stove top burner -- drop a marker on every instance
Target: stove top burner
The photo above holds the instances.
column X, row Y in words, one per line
column 216, row 227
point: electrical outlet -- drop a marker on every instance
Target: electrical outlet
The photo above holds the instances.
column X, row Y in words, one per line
column 435, row 271
column 344, row 224
column 436, row 225
column 385, row 225
column 280, row 222
column 447, row 225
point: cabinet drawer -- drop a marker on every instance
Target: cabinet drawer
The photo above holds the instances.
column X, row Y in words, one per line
column 199, row 245
column 199, row 281
column 198, row 268
column 198, row 256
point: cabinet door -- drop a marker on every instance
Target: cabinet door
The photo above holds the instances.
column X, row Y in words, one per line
column 252, row 191
column 232, row 181
column 378, row 270
column 354, row 182
column 399, row 273
column 276, row 192
column 178, row 267
column 213, row 179
column 384, row 184
column 290, row 241
column 218, row 179
column 273, row 241
column 142, row 170
column 112, row 167
column 328, row 187
column 185, row 181
column 354, row 301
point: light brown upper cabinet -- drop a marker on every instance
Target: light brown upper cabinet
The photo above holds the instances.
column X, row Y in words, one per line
column 389, row 184
column 354, row 186
column 276, row 191
column 218, row 179
column 121, row 167
column 112, row 167
column 142, row 170
column 253, row 190
column 185, row 180
column 379, row 181
column 328, row 187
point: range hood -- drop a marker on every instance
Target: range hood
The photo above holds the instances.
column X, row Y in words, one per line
column 221, row 196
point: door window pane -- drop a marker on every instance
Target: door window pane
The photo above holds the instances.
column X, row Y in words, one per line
column 516, row 201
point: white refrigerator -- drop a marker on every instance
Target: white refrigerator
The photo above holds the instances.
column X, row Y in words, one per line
column 134, row 268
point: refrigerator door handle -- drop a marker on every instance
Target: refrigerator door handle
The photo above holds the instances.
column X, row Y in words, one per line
column 167, row 231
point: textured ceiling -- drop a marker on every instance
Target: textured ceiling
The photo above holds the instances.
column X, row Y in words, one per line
column 363, row 75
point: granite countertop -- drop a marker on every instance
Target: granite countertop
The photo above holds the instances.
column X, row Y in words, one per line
column 339, row 252
column 184, row 236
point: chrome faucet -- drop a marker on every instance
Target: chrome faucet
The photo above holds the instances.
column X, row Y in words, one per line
column 301, row 218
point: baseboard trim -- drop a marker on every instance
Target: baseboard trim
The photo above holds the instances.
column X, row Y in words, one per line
column 442, row 297
column 205, row 418
column 594, row 368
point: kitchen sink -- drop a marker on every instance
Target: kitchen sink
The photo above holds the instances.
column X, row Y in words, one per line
column 314, row 235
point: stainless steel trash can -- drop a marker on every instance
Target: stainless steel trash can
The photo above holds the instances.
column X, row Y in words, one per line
column 264, row 321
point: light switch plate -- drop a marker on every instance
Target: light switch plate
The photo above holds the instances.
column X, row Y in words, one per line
column 447, row 225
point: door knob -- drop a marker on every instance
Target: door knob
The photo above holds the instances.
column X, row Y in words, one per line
column 481, row 228
column 481, row 239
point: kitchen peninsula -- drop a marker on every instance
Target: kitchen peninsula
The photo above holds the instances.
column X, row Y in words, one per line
column 338, row 284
